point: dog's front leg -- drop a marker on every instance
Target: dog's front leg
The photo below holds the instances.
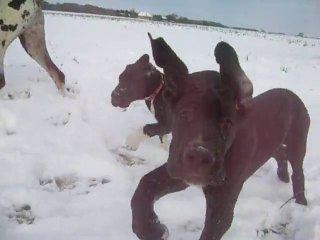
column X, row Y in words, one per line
column 152, row 186
column 134, row 140
column 161, row 129
column 220, row 203
column 154, row 129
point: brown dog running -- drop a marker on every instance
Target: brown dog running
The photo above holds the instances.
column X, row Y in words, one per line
column 216, row 147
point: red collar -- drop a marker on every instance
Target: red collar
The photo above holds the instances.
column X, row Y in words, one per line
column 156, row 92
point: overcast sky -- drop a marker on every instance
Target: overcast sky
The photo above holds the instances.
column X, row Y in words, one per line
column 287, row 16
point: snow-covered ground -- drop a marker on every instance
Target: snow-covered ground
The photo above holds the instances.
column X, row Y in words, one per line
column 58, row 164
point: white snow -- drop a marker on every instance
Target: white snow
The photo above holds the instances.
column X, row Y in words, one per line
column 46, row 138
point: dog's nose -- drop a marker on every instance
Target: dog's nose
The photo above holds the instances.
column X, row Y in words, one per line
column 115, row 93
column 197, row 159
column 114, row 99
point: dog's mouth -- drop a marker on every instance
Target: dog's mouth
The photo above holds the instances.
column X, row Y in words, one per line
column 202, row 181
column 198, row 166
column 116, row 101
column 196, row 180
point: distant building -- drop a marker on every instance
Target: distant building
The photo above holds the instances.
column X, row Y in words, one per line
column 144, row 15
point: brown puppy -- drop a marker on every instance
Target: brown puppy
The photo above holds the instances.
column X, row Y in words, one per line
column 214, row 147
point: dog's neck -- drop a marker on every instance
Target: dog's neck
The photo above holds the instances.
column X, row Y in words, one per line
column 156, row 85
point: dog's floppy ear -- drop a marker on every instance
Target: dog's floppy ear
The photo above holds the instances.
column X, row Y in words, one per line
column 143, row 59
column 232, row 74
column 175, row 71
column 166, row 58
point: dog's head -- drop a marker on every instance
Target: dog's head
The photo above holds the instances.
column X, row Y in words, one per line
column 204, row 119
column 134, row 82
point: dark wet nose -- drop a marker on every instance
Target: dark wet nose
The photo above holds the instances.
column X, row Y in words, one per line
column 115, row 93
column 115, row 98
column 197, row 159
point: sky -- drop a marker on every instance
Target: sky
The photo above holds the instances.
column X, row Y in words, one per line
column 285, row 16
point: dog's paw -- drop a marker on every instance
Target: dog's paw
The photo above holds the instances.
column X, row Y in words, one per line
column 165, row 142
column 164, row 236
column 134, row 140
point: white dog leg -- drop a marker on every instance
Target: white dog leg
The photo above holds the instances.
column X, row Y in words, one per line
column 135, row 139
column 165, row 142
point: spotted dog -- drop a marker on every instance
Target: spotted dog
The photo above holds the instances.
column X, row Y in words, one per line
column 24, row 19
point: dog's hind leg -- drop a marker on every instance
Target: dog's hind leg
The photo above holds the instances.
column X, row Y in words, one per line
column 282, row 160
column 33, row 41
column 297, row 153
column 297, row 141
column 298, row 179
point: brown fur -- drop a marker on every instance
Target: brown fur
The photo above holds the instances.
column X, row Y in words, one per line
column 216, row 147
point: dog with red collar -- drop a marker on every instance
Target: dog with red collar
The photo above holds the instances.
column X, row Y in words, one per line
column 142, row 81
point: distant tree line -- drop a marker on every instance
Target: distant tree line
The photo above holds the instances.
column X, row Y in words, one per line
column 91, row 9
column 178, row 19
